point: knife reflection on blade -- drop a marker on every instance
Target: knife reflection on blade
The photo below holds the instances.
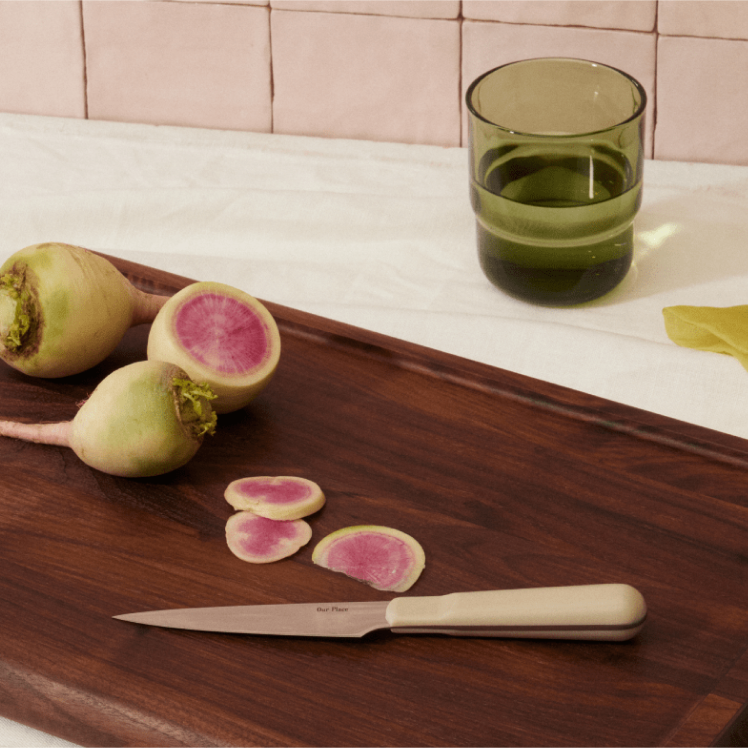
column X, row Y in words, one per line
column 605, row 612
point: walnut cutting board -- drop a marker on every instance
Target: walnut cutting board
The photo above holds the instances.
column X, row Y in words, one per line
column 505, row 481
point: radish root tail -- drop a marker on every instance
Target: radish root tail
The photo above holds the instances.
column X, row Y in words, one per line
column 56, row 434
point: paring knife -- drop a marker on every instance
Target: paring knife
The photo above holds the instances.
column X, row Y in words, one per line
column 605, row 612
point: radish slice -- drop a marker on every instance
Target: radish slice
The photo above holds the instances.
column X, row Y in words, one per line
column 281, row 497
column 383, row 557
column 260, row 540
column 220, row 335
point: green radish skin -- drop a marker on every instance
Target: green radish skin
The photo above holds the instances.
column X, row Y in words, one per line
column 145, row 419
column 220, row 335
column 64, row 309
column 383, row 557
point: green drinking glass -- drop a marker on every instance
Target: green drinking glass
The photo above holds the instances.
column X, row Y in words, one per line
column 556, row 159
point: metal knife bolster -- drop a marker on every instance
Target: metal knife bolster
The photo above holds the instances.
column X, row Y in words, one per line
column 606, row 612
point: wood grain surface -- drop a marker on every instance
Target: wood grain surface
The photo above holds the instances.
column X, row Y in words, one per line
column 505, row 481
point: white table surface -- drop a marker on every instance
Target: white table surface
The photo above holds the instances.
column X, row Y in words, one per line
column 381, row 236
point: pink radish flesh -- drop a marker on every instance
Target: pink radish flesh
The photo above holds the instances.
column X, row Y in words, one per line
column 279, row 497
column 375, row 558
column 383, row 557
column 274, row 491
column 260, row 540
column 219, row 335
column 221, row 332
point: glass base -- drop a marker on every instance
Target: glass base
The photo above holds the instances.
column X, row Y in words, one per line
column 555, row 286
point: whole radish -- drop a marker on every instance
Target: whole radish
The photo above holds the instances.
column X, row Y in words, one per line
column 144, row 419
column 64, row 309
column 220, row 335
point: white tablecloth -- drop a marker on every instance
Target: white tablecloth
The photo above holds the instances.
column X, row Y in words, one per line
column 381, row 236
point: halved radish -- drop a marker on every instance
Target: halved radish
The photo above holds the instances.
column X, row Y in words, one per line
column 383, row 557
column 279, row 497
column 260, row 540
column 220, row 335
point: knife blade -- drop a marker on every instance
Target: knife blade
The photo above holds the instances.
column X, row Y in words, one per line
column 605, row 612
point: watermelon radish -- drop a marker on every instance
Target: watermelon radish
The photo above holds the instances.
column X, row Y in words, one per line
column 260, row 540
column 64, row 309
column 220, row 335
column 383, row 557
column 281, row 497
column 144, row 419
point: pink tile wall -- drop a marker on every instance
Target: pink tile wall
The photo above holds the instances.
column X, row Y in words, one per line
column 41, row 58
column 366, row 76
column 487, row 45
column 375, row 69
column 404, row 8
column 612, row 14
column 702, row 81
column 702, row 100
column 720, row 19
column 193, row 64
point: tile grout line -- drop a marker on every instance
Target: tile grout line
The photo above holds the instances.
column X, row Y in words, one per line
column 270, row 62
column 460, row 22
column 656, row 32
column 85, row 61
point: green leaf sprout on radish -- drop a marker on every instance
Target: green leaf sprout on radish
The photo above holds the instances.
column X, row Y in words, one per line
column 16, row 298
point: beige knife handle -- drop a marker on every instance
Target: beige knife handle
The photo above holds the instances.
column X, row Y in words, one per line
column 608, row 612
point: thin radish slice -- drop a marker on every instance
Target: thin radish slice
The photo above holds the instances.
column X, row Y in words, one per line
column 220, row 335
column 64, row 309
column 279, row 497
column 383, row 557
column 260, row 540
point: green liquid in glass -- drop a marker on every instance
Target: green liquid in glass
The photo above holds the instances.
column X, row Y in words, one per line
column 555, row 229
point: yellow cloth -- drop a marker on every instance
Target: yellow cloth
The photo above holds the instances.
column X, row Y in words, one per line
column 708, row 328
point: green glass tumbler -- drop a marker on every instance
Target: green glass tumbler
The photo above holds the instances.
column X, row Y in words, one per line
column 556, row 158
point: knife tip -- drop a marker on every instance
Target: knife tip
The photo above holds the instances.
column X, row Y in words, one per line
column 124, row 617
